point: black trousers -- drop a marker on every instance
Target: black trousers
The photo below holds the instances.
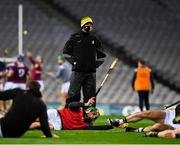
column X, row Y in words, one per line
column 143, row 99
column 84, row 81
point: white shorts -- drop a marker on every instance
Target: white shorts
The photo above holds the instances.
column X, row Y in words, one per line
column 170, row 115
column 65, row 87
column 19, row 85
column 54, row 119
column 8, row 85
column 41, row 84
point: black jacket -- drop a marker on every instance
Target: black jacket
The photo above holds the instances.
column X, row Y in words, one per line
column 84, row 52
column 26, row 107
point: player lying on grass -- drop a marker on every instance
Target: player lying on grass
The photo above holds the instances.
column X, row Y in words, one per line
column 74, row 117
column 164, row 134
column 163, row 120
column 26, row 107
column 168, row 133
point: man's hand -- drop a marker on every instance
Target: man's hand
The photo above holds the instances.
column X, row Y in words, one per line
column 90, row 102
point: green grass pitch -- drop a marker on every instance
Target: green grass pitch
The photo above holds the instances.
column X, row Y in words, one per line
column 114, row 136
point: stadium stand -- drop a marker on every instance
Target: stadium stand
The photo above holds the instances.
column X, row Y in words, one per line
column 144, row 35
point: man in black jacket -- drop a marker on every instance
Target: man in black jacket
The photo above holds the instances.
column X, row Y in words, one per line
column 84, row 51
column 27, row 106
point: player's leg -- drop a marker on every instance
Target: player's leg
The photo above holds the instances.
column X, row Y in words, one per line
column 74, row 93
column 1, row 108
column 158, row 127
column 167, row 134
column 63, row 97
column 153, row 128
column 35, row 125
column 163, row 134
column 54, row 119
column 89, row 87
column 64, row 93
column 177, row 132
column 141, row 100
column 155, row 115
column 146, row 99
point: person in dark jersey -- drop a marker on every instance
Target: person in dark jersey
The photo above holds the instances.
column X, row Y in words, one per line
column 27, row 106
column 85, row 52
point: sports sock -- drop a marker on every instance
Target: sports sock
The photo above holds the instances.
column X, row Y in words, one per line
column 132, row 129
column 120, row 121
column 140, row 129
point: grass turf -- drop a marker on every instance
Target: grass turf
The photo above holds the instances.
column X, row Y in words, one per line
column 114, row 136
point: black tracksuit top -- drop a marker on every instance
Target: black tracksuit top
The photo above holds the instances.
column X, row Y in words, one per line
column 26, row 107
column 85, row 50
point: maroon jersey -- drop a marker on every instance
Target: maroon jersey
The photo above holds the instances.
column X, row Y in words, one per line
column 72, row 119
column 8, row 68
column 36, row 71
column 20, row 73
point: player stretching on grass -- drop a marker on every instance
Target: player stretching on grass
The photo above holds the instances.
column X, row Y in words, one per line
column 74, row 117
column 163, row 120
column 26, row 107
column 175, row 133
